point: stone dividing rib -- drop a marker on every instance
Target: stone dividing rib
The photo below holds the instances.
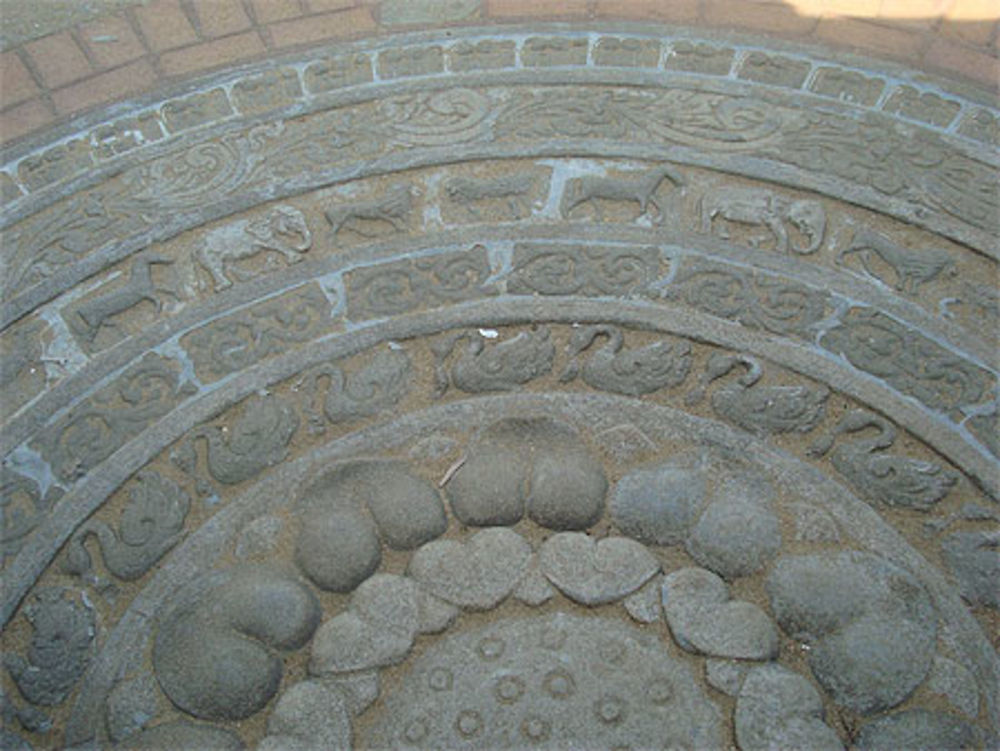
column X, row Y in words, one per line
column 13, row 309
column 90, row 492
column 199, row 552
column 61, row 395
column 932, row 437
column 763, row 159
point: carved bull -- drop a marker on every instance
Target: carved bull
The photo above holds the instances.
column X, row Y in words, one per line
column 763, row 208
column 283, row 229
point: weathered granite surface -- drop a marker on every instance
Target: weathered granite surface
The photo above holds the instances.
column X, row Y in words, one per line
column 540, row 387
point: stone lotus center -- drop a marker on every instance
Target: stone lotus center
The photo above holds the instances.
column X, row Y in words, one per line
column 496, row 375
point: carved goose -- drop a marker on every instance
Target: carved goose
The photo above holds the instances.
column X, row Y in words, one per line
column 127, row 560
column 258, row 439
column 888, row 478
column 632, row 372
column 151, row 524
column 378, row 385
column 500, row 367
column 762, row 410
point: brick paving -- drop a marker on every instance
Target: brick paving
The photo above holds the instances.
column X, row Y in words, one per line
column 143, row 47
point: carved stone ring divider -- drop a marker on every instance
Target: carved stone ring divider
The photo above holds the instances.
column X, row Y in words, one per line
column 89, row 492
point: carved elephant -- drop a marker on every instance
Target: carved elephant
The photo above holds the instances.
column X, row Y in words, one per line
column 764, row 208
column 282, row 229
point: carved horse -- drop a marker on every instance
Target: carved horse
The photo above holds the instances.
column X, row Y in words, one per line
column 642, row 190
column 93, row 313
column 467, row 190
column 392, row 208
column 913, row 266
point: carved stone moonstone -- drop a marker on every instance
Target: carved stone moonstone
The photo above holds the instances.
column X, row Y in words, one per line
column 570, row 385
column 554, row 682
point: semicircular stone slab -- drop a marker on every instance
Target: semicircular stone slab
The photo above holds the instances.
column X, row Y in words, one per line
column 487, row 385
column 472, row 577
column 557, row 681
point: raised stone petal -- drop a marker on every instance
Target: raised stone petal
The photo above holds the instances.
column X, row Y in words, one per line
column 337, row 549
column 808, row 602
column 595, row 572
column 703, row 619
column 872, row 643
column 726, row 676
column 407, row 510
column 267, row 605
column 805, row 597
column 434, row 614
column 477, row 574
column 490, row 488
column 974, row 559
column 658, row 506
column 645, row 603
column 347, row 642
column 175, row 735
column 212, row 657
column 921, row 730
column 187, row 658
column 389, row 602
column 567, row 490
column 873, row 663
column 378, row 629
column 315, row 713
column 777, row 708
column 360, row 689
column 735, row 537
column 534, row 588
column 952, row 680
column 534, row 464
